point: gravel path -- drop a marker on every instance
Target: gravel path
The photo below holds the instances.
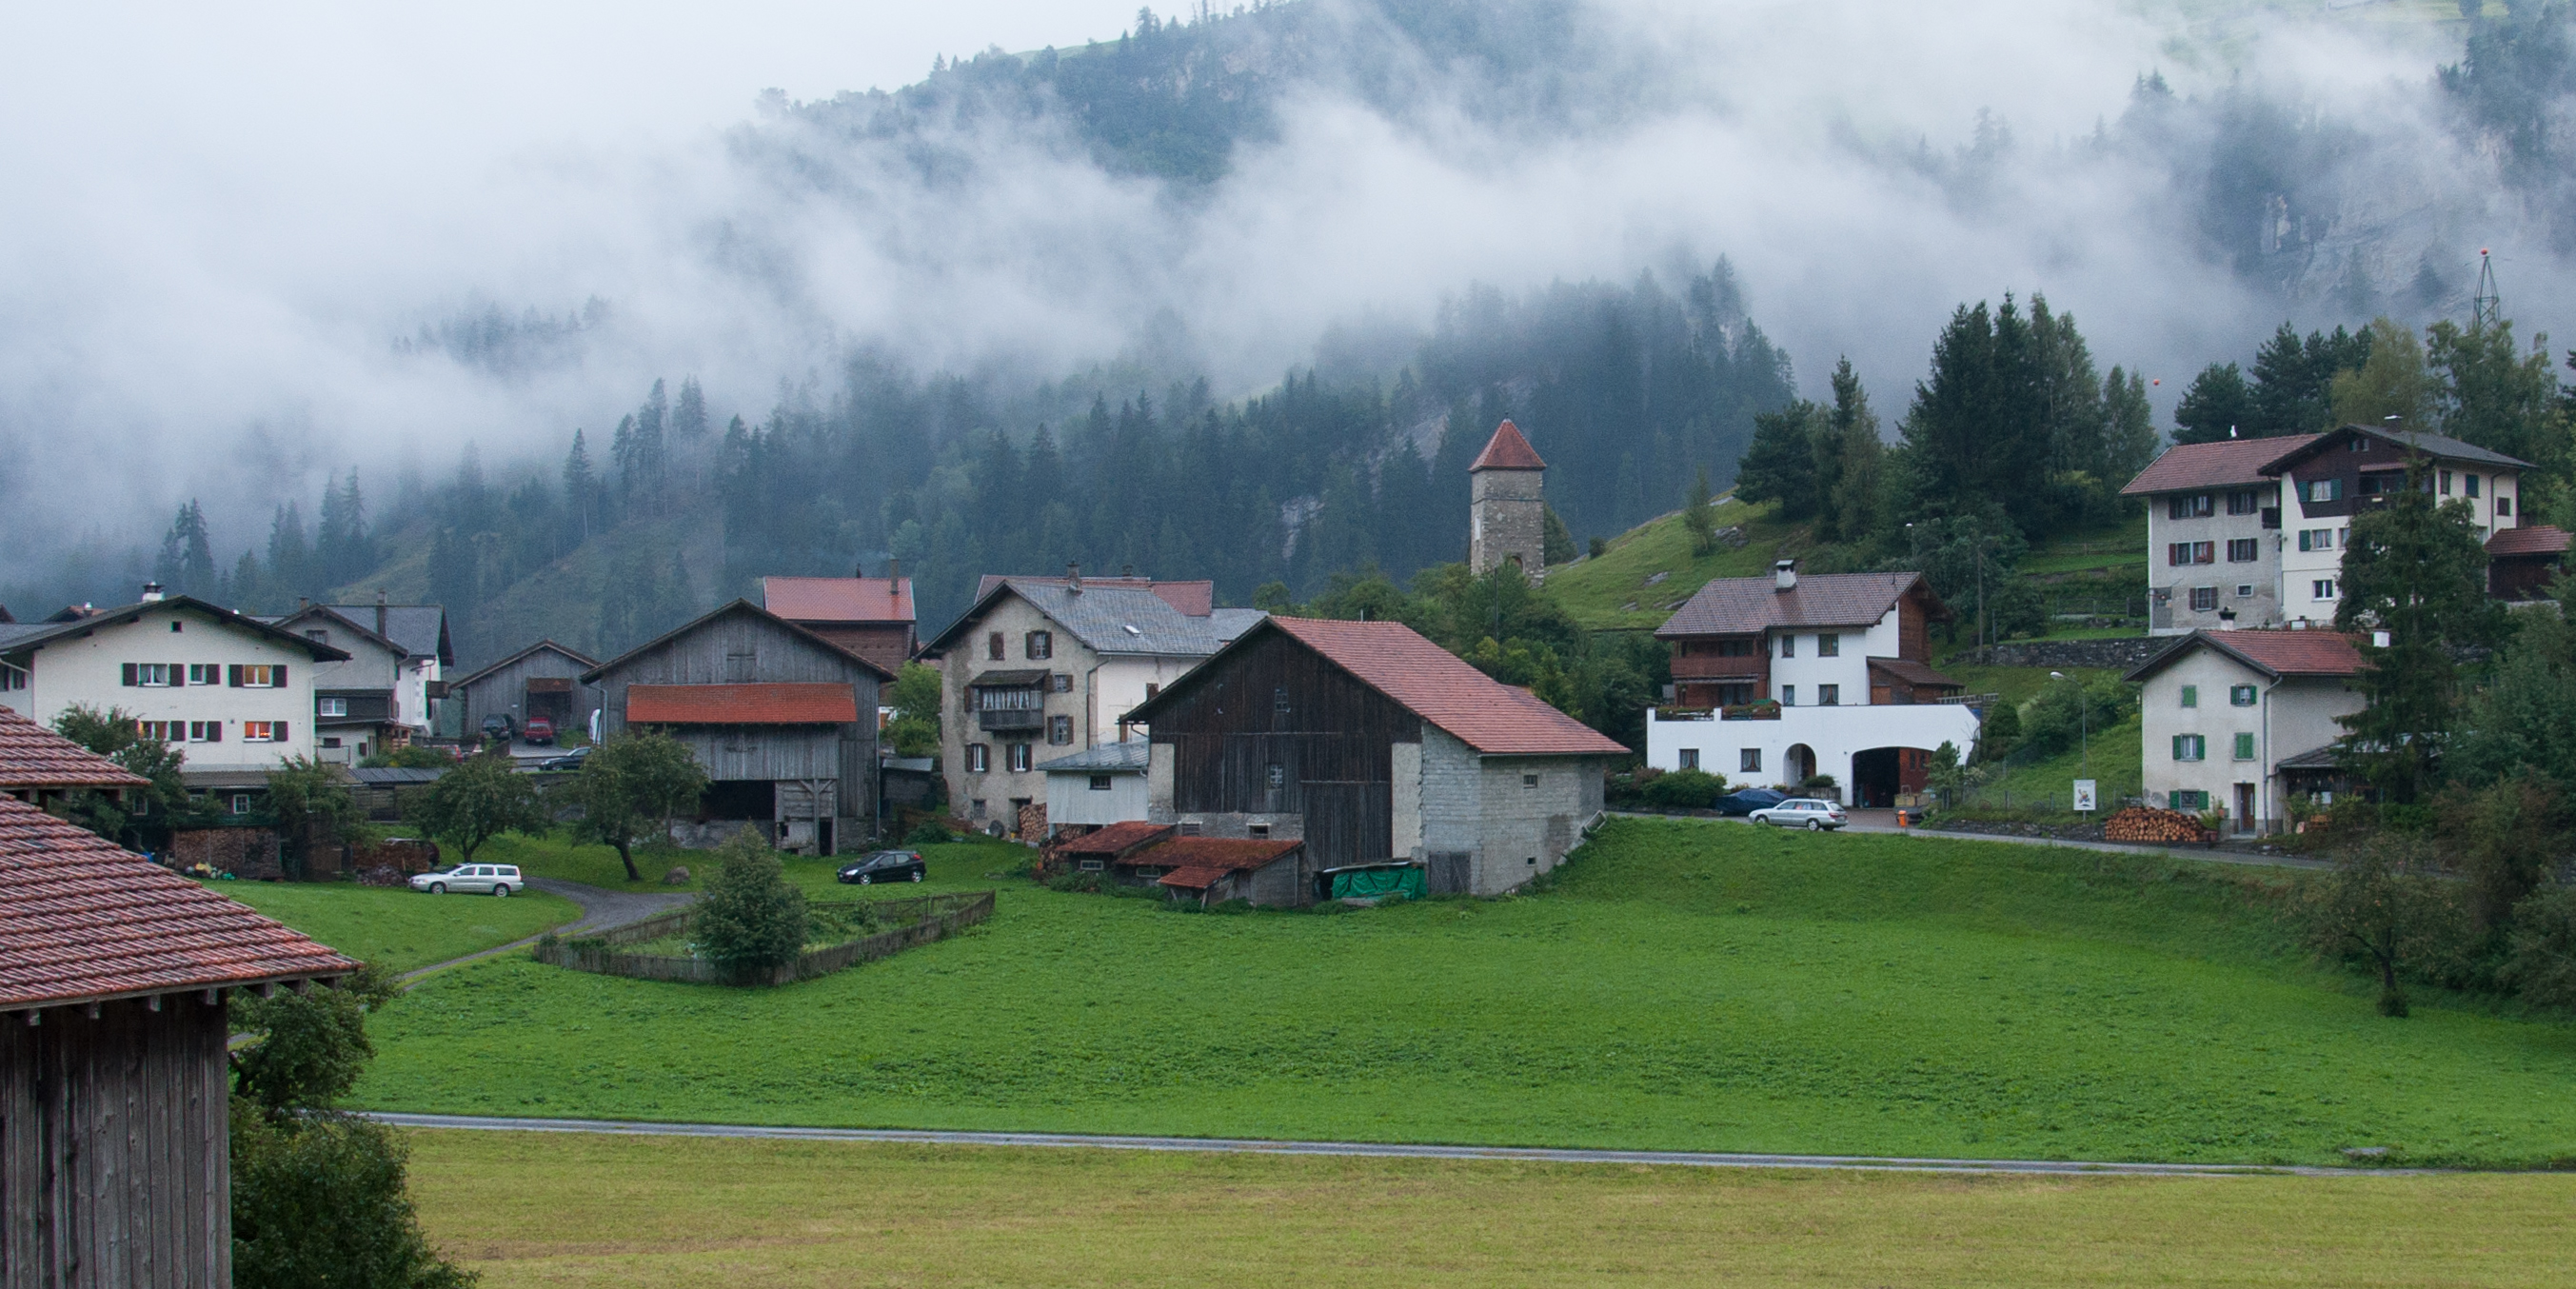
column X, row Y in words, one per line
column 1381, row 1150
column 601, row 910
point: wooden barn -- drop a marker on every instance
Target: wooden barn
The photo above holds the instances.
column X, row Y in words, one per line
column 543, row 679
column 115, row 1158
column 1371, row 744
column 783, row 721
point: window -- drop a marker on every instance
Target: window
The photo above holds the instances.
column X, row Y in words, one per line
column 1529, row 780
column 241, row 803
column 2316, row 539
column 1191, row 827
column 741, row 667
column 2446, row 483
column 317, row 634
column 150, row 675
column 993, row 647
column 2469, row 485
column 2504, row 504
column 1093, row 865
column 330, row 707
column 1829, row 695
column 263, row 731
column 2240, row 695
column 2204, row 598
column 2241, row 550
column 1689, row 759
column 2383, row 483
column 159, row 731
column 12, row 677
column 1749, row 761
column 1829, row 646
column 1021, row 758
column 979, row 759
column 2194, row 507
column 330, row 742
column 2182, row 800
column 1016, row 698
column 1788, row 645
column 205, row 731
column 2191, row 695
column 2244, row 747
column 1151, row 690
column 258, row 676
column 2190, row 747
column 1279, row 700
column 1788, row 695
column 2244, row 501
column 2244, row 590
column 1059, row 730
column 1064, row 683
column 1100, row 783
column 1040, row 644
column 977, row 808
column 205, row 673
column 1278, row 776
column 1257, row 831
column 2323, row 588
column 2360, row 444
column 2181, row 553
column 2315, row 490
column 1734, row 648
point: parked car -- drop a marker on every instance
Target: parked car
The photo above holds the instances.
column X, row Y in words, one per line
column 1802, row 812
column 471, row 879
column 541, row 730
column 885, row 866
column 498, row 725
column 1746, row 801
column 568, row 761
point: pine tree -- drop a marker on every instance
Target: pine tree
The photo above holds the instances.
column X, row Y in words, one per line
column 187, row 562
column 689, row 415
column 581, row 487
column 1855, row 498
column 2414, row 569
column 290, row 561
column 651, row 450
column 2217, row 404
column 452, row 573
column 1781, row 464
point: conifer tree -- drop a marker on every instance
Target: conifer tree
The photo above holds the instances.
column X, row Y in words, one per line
column 2415, row 570
column 689, row 415
column 581, row 487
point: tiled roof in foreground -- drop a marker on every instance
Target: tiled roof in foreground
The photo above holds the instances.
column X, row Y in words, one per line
column 32, row 756
column 83, row 920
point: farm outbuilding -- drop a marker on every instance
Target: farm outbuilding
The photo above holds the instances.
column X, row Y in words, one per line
column 115, row 1162
column 543, row 679
column 783, row 721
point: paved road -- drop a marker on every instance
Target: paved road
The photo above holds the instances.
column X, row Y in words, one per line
column 601, row 909
column 1885, row 822
column 1378, row 1150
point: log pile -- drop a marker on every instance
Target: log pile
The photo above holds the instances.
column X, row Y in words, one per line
column 2148, row 824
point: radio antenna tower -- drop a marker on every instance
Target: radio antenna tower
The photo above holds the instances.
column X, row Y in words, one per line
column 2485, row 308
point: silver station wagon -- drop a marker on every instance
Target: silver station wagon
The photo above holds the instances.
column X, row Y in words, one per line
column 471, row 879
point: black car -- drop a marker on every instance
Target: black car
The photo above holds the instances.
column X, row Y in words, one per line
column 885, row 866
column 568, row 761
column 1747, row 800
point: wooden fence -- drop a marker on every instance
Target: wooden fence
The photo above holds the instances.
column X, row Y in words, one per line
column 917, row 921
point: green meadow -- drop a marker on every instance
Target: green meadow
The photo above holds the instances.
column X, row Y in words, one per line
column 1682, row 985
column 401, row 929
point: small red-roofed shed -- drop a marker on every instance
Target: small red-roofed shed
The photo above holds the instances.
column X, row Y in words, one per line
column 114, row 974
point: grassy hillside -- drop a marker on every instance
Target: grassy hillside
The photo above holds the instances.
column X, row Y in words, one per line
column 1687, row 985
column 401, row 929
column 568, row 1212
column 1649, row 570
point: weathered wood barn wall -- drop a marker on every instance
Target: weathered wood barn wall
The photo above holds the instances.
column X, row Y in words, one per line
column 114, row 1169
column 1276, row 730
column 544, row 679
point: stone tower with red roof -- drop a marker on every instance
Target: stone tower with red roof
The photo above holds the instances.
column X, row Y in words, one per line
column 1506, row 517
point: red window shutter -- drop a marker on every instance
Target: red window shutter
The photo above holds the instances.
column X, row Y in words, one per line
column 130, row 681
column 233, row 676
column 280, row 674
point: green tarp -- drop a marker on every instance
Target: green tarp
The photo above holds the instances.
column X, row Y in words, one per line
column 1403, row 883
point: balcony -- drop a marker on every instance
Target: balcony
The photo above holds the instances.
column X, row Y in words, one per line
column 1010, row 720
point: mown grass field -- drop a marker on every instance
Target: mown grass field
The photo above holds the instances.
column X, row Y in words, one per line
column 663, row 1213
column 401, row 929
column 1598, row 591
column 1688, row 985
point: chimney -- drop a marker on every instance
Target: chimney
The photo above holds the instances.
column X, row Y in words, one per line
column 303, row 602
column 894, row 574
column 151, row 592
column 380, row 610
column 1073, row 577
column 1128, row 571
column 1784, row 575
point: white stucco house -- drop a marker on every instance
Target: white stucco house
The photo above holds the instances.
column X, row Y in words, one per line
column 2223, row 710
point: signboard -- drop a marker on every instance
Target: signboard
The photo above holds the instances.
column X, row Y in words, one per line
column 2084, row 794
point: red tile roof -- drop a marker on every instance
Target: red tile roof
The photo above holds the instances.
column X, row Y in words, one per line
column 1115, row 838
column 2536, row 539
column 82, row 920
column 1738, row 606
column 1189, row 599
column 1436, row 685
column 2274, row 653
column 1199, row 862
column 2228, row 463
column 1507, row 450
column 812, row 600
column 766, row 704
column 32, row 756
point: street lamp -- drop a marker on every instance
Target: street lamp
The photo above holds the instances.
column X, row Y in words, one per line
column 2083, row 721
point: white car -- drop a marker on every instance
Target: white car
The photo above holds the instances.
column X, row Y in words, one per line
column 471, row 879
column 1802, row 812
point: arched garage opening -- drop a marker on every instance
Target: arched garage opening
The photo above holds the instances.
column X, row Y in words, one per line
column 1880, row 773
column 1797, row 765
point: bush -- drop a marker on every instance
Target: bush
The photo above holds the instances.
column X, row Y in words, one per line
column 2064, row 710
column 750, row 920
column 2002, row 730
column 927, row 834
column 2541, row 964
column 319, row 1200
column 1684, row 790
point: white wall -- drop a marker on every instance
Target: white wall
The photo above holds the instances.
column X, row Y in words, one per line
column 2287, row 718
column 1849, row 671
column 1072, row 800
column 1118, row 688
column 2261, row 607
column 90, row 670
column 1833, row 733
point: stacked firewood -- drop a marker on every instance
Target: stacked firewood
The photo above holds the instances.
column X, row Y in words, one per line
column 2146, row 823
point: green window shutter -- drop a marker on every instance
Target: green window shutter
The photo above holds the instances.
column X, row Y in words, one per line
column 2177, row 747
column 2191, row 695
column 2244, row 747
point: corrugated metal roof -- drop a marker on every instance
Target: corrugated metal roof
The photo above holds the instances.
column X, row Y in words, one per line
column 1736, row 606
column 392, row 776
column 81, row 920
column 1438, row 686
column 1129, row 757
column 2228, row 463
column 1200, row 862
column 32, row 756
column 1114, row 839
column 756, row 704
